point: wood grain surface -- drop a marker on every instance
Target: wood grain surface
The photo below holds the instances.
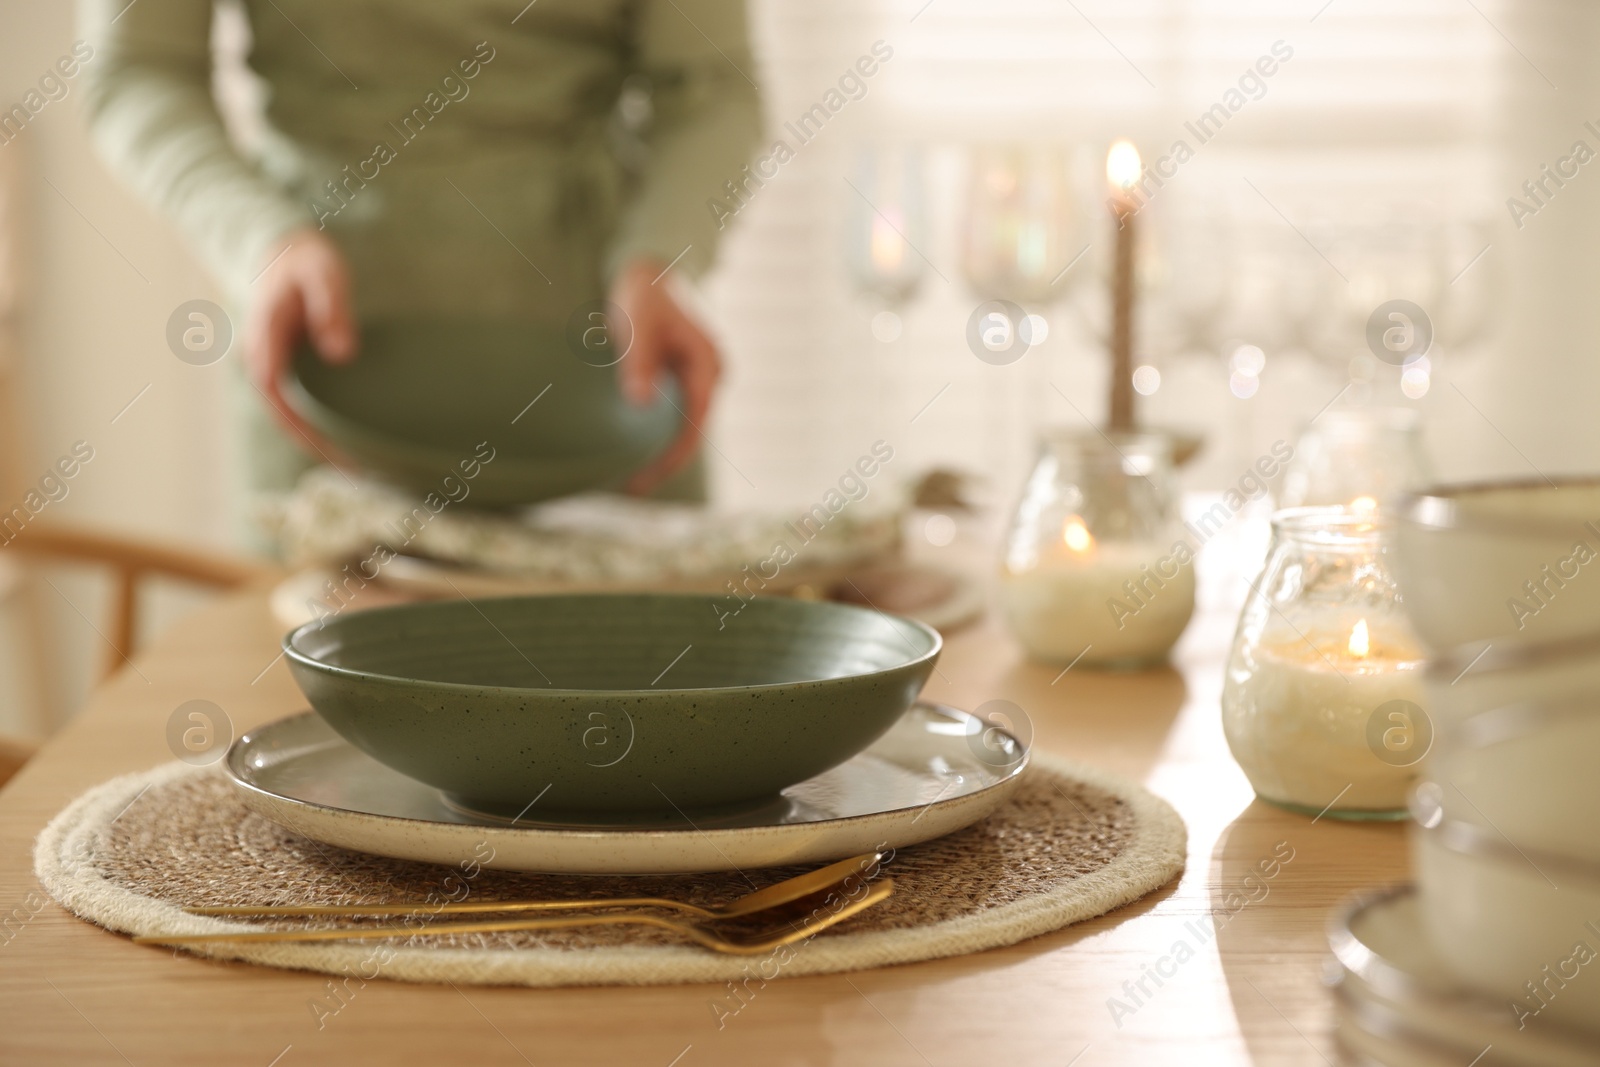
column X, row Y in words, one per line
column 1239, row 955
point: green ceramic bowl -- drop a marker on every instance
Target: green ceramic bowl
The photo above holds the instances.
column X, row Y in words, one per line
column 423, row 395
column 595, row 703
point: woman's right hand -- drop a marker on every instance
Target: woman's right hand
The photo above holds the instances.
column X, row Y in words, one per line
column 303, row 291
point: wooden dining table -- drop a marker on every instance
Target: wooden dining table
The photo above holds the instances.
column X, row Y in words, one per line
column 1249, row 988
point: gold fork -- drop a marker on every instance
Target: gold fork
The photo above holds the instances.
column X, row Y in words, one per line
column 784, row 892
column 695, row 931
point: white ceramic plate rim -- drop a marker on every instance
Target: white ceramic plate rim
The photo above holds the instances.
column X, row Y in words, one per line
column 1436, row 508
column 1365, row 962
column 588, row 850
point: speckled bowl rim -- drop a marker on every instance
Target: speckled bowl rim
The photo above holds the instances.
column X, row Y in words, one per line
column 927, row 658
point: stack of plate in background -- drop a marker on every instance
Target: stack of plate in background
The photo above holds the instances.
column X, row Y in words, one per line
column 1494, row 956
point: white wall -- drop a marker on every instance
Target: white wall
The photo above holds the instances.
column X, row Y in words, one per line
column 102, row 275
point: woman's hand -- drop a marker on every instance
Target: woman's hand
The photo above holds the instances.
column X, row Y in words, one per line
column 303, row 290
column 666, row 339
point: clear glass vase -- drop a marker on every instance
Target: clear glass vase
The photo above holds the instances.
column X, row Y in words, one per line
column 1097, row 570
column 1323, row 702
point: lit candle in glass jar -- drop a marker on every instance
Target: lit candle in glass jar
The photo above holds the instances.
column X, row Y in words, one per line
column 1110, row 602
column 1322, row 702
column 1330, row 715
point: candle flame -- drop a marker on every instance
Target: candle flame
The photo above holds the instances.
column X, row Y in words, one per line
column 888, row 248
column 1076, row 535
column 1360, row 644
column 1364, row 505
column 1123, row 165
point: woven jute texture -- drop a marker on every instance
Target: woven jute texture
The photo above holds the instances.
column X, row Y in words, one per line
column 1071, row 844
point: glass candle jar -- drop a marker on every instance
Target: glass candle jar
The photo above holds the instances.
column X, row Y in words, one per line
column 1323, row 698
column 1096, row 567
column 1361, row 457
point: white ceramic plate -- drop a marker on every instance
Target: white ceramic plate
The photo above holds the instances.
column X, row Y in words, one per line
column 1398, row 1004
column 935, row 771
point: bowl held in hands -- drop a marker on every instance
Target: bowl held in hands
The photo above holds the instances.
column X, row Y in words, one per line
column 430, row 399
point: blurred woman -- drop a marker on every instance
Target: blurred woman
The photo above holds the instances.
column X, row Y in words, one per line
column 485, row 160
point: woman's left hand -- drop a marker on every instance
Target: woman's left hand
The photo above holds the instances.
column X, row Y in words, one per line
column 665, row 339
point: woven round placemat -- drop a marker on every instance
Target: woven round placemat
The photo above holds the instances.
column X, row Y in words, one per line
column 1071, row 844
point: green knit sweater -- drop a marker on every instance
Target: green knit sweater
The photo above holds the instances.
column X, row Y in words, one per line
column 470, row 158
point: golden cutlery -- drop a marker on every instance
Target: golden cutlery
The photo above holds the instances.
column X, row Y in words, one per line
column 735, row 946
column 784, row 892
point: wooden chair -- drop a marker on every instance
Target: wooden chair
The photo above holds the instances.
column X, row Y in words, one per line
column 13, row 754
column 131, row 561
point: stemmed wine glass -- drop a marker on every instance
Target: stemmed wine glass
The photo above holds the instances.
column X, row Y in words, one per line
column 887, row 224
column 886, row 238
column 1188, row 275
column 1469, row 298
column 1398, row 257
column 1025, row 223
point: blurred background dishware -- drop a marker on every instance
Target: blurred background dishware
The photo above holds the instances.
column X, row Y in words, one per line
column 1322, row 702
column 1096, row 567
column 1518, row 730
column 1479, row 677
column 1491, row 560
column 1395, row 1001
column 1506, row 860
column 1503, row 846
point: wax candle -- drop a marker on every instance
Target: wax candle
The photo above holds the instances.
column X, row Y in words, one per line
column 1328, row 715
column 1123, row 168
column 1113, row 603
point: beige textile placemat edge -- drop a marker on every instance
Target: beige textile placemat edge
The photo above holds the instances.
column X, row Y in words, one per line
column 64, row 863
